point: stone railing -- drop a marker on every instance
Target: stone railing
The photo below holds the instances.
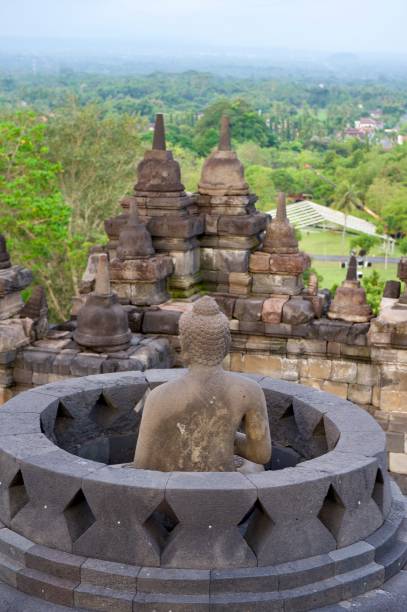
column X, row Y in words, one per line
column 85, row 510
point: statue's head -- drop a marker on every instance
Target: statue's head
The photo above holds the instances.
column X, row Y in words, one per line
column 204, row 334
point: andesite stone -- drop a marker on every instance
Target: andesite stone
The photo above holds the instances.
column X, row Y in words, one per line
column 134, row 239
column 349, row 303
column 191, row 423
column 222, row 172
column 158, row 171
column 102, row 322
column 280, row 234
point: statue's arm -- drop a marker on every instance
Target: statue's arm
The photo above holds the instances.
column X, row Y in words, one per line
column 255, row 443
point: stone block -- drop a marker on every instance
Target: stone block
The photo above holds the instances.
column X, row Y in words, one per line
column 14, row 546
column 259, row 262
column 248, row 309
column 148, row 602
column 233, row 260
column 274, row 283
column 9, row 570
column 176, row 581
column 226, row 303
column 246, row 580
column 398, row 463
column 311, row 570
column 239, row 283
column 337, row 388
column 268, row 365
column 352, row 557
column 251, row 327
column 55, row 562
column 315, row 368
column 393, row 400
column 242, row 225
column 118, row 576
column 88, row 597
column 273, row 309
column 293, row 264
column 361, row 581
column 368, row 374
column 161, row 321
column 360, row 394
column 308, row 347
column 395, row 442
column 289, row 369
column 209, row 508
column 344, row 371
column 44, row 586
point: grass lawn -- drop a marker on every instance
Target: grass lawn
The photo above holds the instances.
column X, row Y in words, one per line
column 331, row 243
column 333, row 274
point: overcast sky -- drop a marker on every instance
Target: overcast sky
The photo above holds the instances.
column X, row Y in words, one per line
column 327, row 25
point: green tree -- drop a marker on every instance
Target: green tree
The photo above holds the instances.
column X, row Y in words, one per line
column 35, row 218
column 347, row 200
column 97, row 152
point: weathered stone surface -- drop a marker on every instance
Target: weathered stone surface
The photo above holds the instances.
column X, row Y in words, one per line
column 275, row 283
column 14, row 333
column 349, row 303
column 292, row 264
column 147, row 269
column 248, row 309
column 161, row 321
column 280, row 234
column 240, row 283
column 242, row 225
column 297, row 311
column 102, row 311
column 273, row 309
column 222, row 172
column 169, row 439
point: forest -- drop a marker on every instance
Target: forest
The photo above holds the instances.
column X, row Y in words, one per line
column 69, row 144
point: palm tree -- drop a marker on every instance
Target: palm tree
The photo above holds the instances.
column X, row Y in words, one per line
column 347, row 202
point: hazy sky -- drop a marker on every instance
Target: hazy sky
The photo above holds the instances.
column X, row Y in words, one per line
column 329, row 25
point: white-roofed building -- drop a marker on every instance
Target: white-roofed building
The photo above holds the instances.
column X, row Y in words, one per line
column 307, row 214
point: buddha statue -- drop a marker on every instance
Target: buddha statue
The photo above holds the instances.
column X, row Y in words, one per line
column 207, row 419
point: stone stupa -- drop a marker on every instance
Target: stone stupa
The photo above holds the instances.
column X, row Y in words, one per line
column 139, row 275
column 102, row 323
column 169, row 212
column 349, row 303
column 233, row 226
column 277, row 267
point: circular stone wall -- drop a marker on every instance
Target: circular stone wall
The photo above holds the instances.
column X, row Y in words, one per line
column 239, row 531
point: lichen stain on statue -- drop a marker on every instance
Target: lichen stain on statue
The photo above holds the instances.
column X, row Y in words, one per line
column 192, row 423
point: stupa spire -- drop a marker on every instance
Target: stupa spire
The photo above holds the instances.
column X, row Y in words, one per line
column 352, row 272
column 224, row 138
column 159, row 133
column 102, row 281
column 281, row 213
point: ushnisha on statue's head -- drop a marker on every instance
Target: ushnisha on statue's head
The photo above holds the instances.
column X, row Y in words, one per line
column 204, row 334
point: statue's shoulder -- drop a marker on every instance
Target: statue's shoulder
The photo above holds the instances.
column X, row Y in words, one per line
column 171, row 386
column 240, row 381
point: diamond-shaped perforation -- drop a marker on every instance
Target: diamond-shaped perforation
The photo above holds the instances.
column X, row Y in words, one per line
column 17, row 493
column 319, row 439
column 288, row 413
column 63, row 420
column 103, row 413
column 78, row 515
column 161, row 523
column 332, row 512
column 378, row 490
column 255, row 525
